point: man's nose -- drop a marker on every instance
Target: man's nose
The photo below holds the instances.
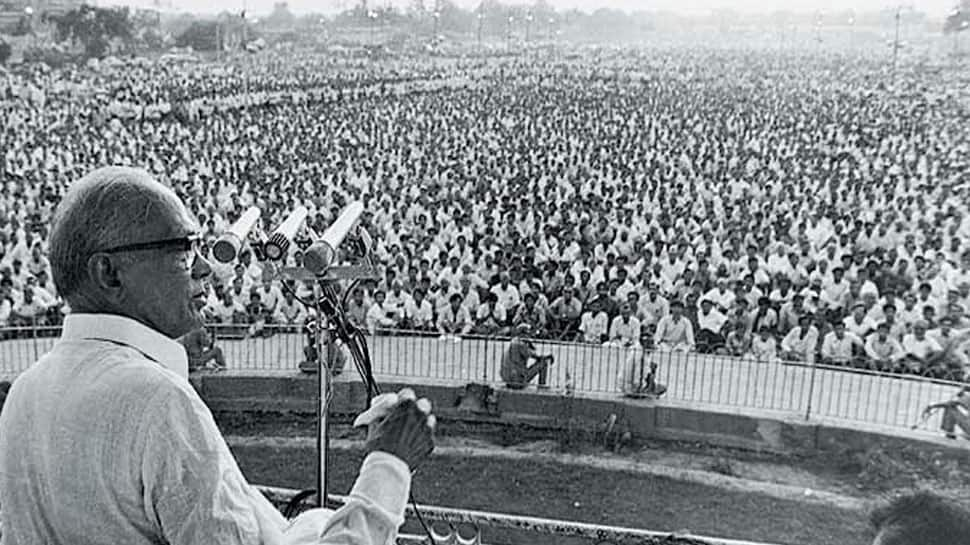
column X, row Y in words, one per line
column 201, row 270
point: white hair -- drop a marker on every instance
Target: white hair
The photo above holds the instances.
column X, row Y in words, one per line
column 108, row 207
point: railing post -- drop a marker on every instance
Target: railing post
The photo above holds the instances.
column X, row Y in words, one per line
column 811, row 391
column 33, row 330
column 485, row 367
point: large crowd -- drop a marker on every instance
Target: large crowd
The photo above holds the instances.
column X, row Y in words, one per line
column 771, row 206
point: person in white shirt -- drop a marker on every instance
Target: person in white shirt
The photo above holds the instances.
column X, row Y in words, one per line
column 289, row 311
column 252, row 270
column 840, row 346
column 801, row 342
column 419, row 313
column 882, row 349
column 625, row 329
column 594, row 326
column 270, row 295
column 920, row 352
column 454, row 319
column 858, row 323
column 764, row 347
column 721, row 296
column 6, row 309
column 491, row 316
column 30, row 311
column 378, row 319
column 710, row 327
column 508, row 295
column 108, row 418
column 835, row 291
column 674, row 331
column 395, row 303
column 953, row 361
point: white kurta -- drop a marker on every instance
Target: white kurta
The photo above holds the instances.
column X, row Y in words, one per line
column 104, row 441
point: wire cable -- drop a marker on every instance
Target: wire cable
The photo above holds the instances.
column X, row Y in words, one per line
column 356, row 343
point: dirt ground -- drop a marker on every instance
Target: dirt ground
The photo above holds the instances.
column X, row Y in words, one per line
column 663, row 486
column 554, row 490
column 848, row 479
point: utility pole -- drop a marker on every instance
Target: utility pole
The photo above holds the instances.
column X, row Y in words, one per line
column 818, row 30
column 437, row 16
column 528, row 26
column 851, row 32
column 899, row 15
column 481, row 21
column 372, row 15
column 508, row 34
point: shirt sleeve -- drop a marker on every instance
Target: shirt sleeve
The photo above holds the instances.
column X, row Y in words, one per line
column 197, row 494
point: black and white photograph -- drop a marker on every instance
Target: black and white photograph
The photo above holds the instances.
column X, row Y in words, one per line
column 484, row 272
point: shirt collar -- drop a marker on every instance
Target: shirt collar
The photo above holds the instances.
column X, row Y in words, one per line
column 168, row 353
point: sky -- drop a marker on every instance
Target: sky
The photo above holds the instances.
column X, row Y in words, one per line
column 935, row 8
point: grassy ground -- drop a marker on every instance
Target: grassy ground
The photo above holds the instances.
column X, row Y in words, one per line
column 551, row 490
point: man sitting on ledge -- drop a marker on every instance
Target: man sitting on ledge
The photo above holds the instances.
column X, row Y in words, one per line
column 516, row 371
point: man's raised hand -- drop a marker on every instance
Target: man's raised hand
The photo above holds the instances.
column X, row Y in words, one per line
column 401, row 425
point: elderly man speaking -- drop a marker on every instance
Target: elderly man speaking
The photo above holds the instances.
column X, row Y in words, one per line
column 105, row 441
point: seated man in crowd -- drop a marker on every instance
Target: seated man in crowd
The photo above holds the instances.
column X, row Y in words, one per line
column 395, row 304
column 738, row 342
column 625, row 329
column 290, row 312
column 454, row 320
column 858, row 323
column 531, row 314
column 516, row 371
column 801, row 342
column 378, row 319
column 357, row 308
column 711, row 325
column 841, row 347
column 764, row 347
column 226, row 310
column 920, row 353
column 418, row 313
column 491, row 317
column 594, row 326
column 883, row 352
column 256, row 316
column 764, row 316
column 953, row 361
column 566, row 311
column 675, row 332
column 29, row 312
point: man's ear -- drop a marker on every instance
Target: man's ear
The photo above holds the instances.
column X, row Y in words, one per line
column 104, row 274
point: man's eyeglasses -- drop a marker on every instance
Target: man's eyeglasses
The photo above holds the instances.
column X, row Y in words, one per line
column 188, row 247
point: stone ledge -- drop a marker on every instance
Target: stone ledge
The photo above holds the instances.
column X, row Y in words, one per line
column 296, row 393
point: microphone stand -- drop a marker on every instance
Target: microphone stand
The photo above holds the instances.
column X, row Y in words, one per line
column 322, row 334
column 324, row 343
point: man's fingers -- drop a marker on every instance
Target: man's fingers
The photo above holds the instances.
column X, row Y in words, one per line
column 424, row 405
column 407, row 394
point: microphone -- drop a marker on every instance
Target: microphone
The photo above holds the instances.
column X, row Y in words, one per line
column 228, row 245
column 323, row 253
column 279, row 242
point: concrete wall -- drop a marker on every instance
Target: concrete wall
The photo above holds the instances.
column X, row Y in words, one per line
column 296, row 393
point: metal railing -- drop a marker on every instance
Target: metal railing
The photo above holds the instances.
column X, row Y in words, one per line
column 788, row 389
column 484, row 522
